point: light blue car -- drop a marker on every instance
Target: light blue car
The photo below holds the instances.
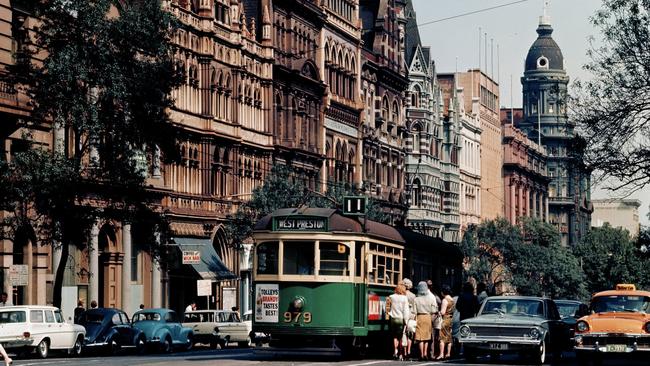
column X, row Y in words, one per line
column 163, row 329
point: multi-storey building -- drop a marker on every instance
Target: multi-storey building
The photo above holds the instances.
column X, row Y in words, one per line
column 384, row 83
column 622, row 213
column 477, row 84
column 425, row 135
column 545, row 83
column 525, row 180
column 341, row 65
column 452, row 113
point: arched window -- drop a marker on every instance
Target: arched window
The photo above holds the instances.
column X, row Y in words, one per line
column 417, row 193
column 385, row 109
column 415, row 97
column 395, row 110
column 416, row 139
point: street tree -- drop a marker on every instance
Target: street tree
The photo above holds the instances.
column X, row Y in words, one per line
column 609, row 257
column 613, row 107
column 541, row 266
column 103, row 87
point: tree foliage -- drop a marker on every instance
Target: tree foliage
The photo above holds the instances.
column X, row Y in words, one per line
column 283, row 189
column 609, row 257
column 104, row 88
column 528, row 258
column 613, row 107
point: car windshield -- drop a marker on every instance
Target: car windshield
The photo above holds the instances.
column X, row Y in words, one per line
column 92, row 318
column 621, row 303
column 514, row 307
column 567, row 309
column 139, row 317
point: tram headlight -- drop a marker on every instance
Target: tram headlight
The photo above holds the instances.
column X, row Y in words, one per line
column 298, row 303
column 464, row 331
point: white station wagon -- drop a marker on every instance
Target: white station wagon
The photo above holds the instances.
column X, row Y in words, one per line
column 39, row 329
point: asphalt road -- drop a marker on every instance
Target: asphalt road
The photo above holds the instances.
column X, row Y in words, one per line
column 241, row 357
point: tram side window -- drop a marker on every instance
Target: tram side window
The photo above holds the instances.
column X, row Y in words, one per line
column 334, row 259
column 267, row 258
column 298, row 258
column 386, row 264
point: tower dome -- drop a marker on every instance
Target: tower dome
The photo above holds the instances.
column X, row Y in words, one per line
column 544, row 54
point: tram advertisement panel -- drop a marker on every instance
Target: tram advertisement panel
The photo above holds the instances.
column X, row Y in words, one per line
column 267, row 303
column 376, row 306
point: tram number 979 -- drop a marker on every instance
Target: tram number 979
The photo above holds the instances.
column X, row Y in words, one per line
column 294, row 317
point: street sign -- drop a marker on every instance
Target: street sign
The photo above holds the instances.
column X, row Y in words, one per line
column 204, row 288
column 191, row 257
column 355, row 205
column 18, row 274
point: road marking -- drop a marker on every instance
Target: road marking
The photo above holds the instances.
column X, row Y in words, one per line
column 368, row 363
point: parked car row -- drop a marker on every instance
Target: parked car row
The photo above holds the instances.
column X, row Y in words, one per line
column 616, row 322
column 39, row 329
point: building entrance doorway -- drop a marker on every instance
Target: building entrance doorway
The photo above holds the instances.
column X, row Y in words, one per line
column 110, row 268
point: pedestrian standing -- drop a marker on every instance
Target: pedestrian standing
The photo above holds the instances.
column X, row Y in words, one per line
column 482, row 294
column 447, row 311
column 141, row 306
column 4, row 300
column 93, row 304
column 191, row 307
column 425, row 307
column 5, row 356
column 399, row 314
column 78, row 311
column 468, row 303
column 411, row 323
column 437, row 320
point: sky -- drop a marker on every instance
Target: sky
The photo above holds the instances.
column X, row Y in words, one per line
column 455, row 45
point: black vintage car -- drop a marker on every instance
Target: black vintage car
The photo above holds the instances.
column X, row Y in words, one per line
column 571, row 311
column 110, row 330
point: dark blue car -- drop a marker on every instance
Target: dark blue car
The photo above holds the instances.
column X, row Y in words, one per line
column 110, row 331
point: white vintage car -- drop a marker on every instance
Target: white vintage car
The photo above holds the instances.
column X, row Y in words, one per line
column 217, row 327
column 39, row 329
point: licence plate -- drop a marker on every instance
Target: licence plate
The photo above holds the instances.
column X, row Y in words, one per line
column 615, row 348
column 499, row 346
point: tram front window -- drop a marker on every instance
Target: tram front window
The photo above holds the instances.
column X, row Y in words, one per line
column 298, row 258
column 267, row 258
column 334, row 259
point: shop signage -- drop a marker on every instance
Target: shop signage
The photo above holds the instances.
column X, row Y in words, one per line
column 18, row 274
column 300, row 223
column 204, row 288
column 191, row 257
column 267, row 303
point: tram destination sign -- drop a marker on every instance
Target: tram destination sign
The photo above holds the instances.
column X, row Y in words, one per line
column 300, row 223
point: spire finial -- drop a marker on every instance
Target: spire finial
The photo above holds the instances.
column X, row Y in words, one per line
column 545, row 19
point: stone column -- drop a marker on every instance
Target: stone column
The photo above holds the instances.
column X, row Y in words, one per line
column 521, row 200
column 513, row 212
column 528, row 207
column 126, row 268
column 156, row 280
column 535, row 213
column 547, row 218
column 93, row 264
column 541, row 207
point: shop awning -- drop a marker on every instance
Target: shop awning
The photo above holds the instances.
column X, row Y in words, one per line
column 209, row 266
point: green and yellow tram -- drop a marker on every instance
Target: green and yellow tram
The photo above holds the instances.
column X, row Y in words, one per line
column 321, row 279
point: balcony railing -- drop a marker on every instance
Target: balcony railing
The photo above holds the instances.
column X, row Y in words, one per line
column 7, row 91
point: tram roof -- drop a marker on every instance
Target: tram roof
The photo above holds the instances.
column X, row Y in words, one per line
column 337, row 222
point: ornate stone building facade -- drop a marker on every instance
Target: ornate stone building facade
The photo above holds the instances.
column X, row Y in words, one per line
column 525, row 179
column 384, row 83
column 545, row 83
column 423, row 144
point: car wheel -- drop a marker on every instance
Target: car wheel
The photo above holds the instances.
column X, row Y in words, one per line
column 43, row 349
column 114, row 347
column 539, row 355
column 167, row 345
column 214, row 344
column 141, row 346
column 190, row 342
column 76, row 349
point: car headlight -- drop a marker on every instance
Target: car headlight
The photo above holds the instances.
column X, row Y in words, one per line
column 534, row 333
column 578, row 340
column 582, row 326
column 464, row 331
column 647, row 327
